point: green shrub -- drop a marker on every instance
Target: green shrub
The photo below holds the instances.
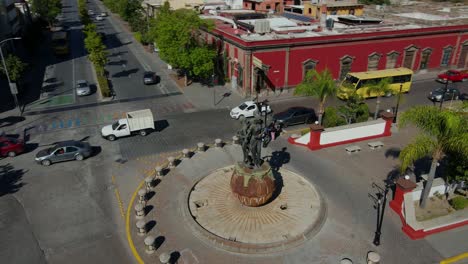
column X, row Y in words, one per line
column 459, row 203
column 104, row 86
column 305, row 131
column 362, row 114
column 137, row 36
column 331, row 118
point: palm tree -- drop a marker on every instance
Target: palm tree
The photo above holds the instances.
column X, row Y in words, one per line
column 379, row 88
column 318, row 85
column 442, row 131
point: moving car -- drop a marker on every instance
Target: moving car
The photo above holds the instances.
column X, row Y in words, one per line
column 99, row 18
column 10, row 146
column 248, row 109
column 103, row 14
column 140, row 122
column 149, row 77
column 82, row 88
column 90, row 12
column 452, row 93
column 63, row 151
column 453, row 76
column 295, row 115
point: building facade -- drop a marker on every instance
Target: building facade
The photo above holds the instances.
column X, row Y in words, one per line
column 255, row 63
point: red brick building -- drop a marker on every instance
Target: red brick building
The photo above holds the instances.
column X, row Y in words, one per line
column 261, row 55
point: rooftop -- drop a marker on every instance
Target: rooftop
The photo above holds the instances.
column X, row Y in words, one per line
column 411, row 15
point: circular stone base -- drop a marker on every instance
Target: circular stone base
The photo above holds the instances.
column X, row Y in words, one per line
column 296, row 210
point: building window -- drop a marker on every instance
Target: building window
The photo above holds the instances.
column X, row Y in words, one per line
column 240, row 75
column 462, row 61
column 373, row 61
column 446, row 56
column 310, row 11
column 345, row 66
column 410, row 52
column 392, row 58
column 268, row 7
column 308, row 65
column 426, row 54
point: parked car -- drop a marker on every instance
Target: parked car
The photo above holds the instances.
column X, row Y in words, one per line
column 248, row 109
column 136, row 122
column 149, row 77
column 63, row 151
column 453, row 76
column 82, row 88
column 295, row 115
column 99, row 18
column 452, row 93
column 90, row 12
column 10, row 146
column 103, row 14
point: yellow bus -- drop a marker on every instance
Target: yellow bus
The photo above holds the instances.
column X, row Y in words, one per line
column 400, row 81
column 60, row 42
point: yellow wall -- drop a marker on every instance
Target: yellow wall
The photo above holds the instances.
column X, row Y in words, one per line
column 313, row 10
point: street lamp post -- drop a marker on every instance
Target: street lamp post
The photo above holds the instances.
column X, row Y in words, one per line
column 13, row 90
column 380, row 203
column 443, row 94
column 398, row 104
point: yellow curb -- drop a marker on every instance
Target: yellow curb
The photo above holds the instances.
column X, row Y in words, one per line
column 455, row 258
column 127, row 224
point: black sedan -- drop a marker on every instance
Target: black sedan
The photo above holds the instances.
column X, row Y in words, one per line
column 63, row 151
column 149, row 77
column 295, row 115
column 437, row 94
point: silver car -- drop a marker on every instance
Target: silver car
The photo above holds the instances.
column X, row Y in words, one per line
column 63, row 151
column 82, row 88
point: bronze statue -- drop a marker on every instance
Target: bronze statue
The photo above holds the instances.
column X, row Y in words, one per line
column 250, row 137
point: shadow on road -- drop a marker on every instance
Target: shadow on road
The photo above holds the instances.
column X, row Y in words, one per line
column 10, row 179
column 10, row 120
column 160, row 125
column 125, row 73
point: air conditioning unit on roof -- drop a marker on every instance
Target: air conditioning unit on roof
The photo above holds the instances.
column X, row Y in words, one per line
column 262, row 26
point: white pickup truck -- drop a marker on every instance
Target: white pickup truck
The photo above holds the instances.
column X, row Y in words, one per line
column 140, row 122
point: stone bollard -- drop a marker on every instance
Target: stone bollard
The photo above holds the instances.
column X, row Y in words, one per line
column 235, row 140
column 373, row 258
column 218, row 143
column 149, row 245
column 346, row 261
column 164, row 258
column 139, row 211
column 149, row 183
column 201, row 147
column 141, row 227
column 142, row 196
column 159, row 171
column 186, row 153
column 171, row 162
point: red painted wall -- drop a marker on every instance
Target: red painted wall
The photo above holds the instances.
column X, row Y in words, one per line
column 277, row 62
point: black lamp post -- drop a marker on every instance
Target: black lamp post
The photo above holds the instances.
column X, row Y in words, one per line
column 380, row 203
column 398, row 104
column 443, row 94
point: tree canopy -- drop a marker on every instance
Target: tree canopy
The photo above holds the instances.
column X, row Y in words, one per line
column 319, row 85
column 15, row 67
column 47, row 9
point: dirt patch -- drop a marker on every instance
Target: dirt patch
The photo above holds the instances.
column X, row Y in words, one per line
column 435, row 207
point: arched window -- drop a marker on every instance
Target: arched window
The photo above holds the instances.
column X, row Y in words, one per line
column 463, row 59
column 426, row 54
column 345, row 66
column 392, row 58
column 373, row 61
column 308, row 65
column 446, row 54
column 410, row 54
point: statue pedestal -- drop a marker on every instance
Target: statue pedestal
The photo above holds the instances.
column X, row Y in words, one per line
column 253, row 187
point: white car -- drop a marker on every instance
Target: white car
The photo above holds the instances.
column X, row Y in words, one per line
column 248, row 109
column 90, row 12
column 104, row 14
column 99, row 18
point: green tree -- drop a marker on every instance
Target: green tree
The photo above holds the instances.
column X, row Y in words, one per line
column 95, row 47
column 443, row 131
column 15, row 67
column 319, row 85
column 47, row 9
column 331, row 118
column 378, row 89
column 354, row 109
column 201, row 61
